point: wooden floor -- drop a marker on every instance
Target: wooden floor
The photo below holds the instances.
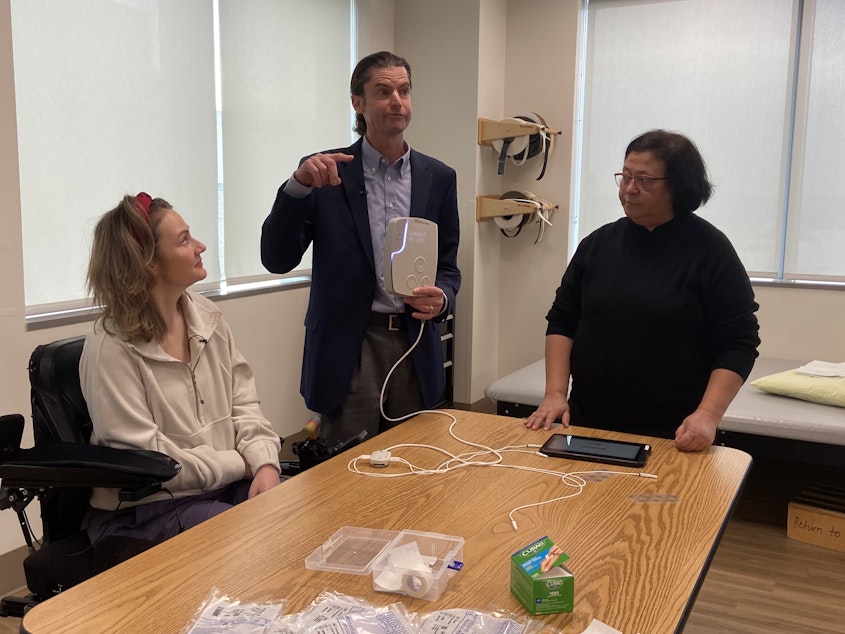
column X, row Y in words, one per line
column 760, row 581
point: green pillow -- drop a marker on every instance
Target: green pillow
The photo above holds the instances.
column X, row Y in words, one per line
column 828, row 390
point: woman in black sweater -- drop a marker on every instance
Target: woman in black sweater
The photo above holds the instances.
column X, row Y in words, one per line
column 654, row 318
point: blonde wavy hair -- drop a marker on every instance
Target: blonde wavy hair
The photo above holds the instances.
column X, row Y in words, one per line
column 120, row 275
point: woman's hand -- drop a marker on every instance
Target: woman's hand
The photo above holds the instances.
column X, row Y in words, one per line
column 265, row 478
column 697, row 432
column 554, row 406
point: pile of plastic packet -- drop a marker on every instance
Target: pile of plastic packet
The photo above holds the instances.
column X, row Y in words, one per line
column 334, row 613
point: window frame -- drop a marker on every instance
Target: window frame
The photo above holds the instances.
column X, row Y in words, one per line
column 46, row 315
column 799, row 75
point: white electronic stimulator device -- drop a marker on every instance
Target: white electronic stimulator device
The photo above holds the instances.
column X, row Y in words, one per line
column 410, row 255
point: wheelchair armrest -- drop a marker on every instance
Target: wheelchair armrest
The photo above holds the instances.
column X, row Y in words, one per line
column 11, row 433
column 67, row 464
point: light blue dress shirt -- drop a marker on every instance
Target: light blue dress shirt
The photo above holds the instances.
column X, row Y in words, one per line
column 388, row 196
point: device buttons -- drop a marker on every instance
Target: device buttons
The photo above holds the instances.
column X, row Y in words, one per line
column 410, row 252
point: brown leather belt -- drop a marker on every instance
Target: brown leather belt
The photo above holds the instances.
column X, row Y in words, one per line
column 391, row 321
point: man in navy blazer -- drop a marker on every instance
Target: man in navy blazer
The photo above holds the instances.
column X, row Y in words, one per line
column 340, row 201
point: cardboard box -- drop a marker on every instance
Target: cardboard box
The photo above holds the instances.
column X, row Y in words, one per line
column 540, row 580
column 817, row 516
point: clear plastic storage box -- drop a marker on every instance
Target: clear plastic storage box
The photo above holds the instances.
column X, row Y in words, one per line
column 351, row 550
column 411, row 563
column 418, row 565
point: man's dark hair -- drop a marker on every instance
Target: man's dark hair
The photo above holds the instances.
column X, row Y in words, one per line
column 362, row 73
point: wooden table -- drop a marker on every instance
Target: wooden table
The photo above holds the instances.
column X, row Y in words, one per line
column 639, row 547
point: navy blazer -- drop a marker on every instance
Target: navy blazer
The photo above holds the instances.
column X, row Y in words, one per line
column 343, row 278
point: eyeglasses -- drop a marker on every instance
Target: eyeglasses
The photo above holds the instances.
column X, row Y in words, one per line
column 643, row 182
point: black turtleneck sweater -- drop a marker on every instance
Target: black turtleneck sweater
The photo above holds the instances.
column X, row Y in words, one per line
column 651, row 315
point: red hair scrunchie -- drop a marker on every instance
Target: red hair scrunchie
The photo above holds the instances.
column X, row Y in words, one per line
column 143, row 201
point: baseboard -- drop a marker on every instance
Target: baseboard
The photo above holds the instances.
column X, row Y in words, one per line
column 12, row 580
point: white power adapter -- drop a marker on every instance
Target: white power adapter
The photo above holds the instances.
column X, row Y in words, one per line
column 380, row 458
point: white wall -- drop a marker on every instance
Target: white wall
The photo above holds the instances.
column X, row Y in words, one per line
column 493, row 59
column 801, row 323
column 375, row 26
column 484, row 249
column 540, row 77
column 445, row 73
column 489, row 58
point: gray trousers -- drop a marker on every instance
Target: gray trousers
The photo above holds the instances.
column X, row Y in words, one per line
column 360, row 409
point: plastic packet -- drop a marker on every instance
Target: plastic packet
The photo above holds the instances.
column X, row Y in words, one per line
column 219, row 613
column 392, row 619
column 465, row 621
column 335, row 613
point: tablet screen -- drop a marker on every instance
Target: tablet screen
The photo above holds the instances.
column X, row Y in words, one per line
column 597, row 447
column 593, row 446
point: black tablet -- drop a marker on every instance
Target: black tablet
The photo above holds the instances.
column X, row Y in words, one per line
column 629, row 454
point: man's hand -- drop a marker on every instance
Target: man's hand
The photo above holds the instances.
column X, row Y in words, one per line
column 266, row 478
column 320, row 170
column 427, row 302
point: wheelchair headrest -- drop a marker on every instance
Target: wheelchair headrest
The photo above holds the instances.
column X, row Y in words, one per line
column 59, row 411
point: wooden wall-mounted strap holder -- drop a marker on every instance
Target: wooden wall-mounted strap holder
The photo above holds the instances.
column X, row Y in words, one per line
column 488, row 207
column 491, row 129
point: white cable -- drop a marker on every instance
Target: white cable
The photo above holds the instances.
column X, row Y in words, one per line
column 543, row 136
column 580, row 483
column 543, row 217
column 401, row 418
column 544, row 213
column 387, row 378
column 468, row 459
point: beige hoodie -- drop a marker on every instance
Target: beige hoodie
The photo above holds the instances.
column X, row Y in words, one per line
column 204, row 414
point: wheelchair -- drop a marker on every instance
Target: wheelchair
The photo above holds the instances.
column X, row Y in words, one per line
column 60, row 471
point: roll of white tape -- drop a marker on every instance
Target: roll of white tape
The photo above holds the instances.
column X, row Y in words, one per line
column 415, row 585
column 509, row 222
column 517, row 144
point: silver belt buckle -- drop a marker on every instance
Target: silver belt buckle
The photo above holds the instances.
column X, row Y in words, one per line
column 393, row 321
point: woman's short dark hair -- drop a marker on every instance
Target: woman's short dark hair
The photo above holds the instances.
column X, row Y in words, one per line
column 363, row 71
column 686, row 173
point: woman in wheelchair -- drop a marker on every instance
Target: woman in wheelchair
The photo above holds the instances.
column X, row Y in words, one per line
column 160, row 371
